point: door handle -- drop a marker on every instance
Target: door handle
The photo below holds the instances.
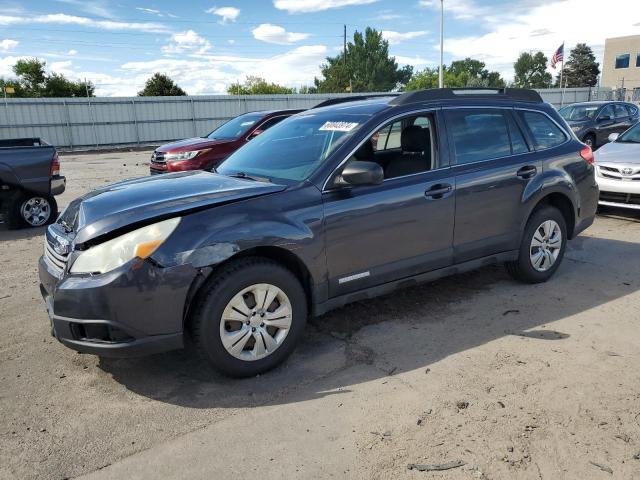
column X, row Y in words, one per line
column 438, row 191
column 527, row 172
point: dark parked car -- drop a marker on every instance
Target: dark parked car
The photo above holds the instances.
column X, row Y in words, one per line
column 593, row 122
column 29, row 179
column 205, row 153
column 311, row 216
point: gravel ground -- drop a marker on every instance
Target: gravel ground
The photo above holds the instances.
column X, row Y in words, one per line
column 516, row 381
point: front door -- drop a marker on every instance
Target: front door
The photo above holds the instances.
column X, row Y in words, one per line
column 404, row 226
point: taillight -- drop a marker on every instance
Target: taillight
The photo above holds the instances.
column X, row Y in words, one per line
column 587, row 154
column 55, row 165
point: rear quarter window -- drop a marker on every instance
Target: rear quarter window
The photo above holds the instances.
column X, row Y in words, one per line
column 544, row 131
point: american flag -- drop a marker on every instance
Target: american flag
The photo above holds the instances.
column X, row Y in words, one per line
column 558, row 56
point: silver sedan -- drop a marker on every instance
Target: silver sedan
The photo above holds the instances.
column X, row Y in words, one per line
column 618, row 169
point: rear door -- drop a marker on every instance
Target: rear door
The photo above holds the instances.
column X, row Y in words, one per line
column 606, row 124
column 492, row 164
column 623, row 120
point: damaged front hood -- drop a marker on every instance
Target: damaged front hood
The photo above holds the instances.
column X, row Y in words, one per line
column 139, row 200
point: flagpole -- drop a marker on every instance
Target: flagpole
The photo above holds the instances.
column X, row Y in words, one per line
column 561, row 75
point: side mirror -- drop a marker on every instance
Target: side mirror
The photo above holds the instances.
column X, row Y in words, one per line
column 604, row 118
column 613, row 137
column 362, row 173
column 254, row 134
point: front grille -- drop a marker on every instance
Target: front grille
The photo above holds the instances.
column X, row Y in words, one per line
column 620, row 173
column 54, row 258
column 158, row 157
column 615, row 197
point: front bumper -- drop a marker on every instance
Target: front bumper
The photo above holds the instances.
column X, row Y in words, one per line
column 137, row 309
column 623, row 192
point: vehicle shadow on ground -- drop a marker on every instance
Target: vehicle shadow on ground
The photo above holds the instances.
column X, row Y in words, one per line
column 20, row 234
column 414, row 328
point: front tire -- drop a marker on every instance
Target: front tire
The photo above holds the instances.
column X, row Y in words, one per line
column 542, row 247
column 249, row 317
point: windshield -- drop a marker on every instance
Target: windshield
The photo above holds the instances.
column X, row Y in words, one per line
column 630, row 136
column 579, row 112
column 235, row 127
column 294, row 148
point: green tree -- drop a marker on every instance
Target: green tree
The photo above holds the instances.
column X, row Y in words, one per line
column 581, row 69
column 531, row 71
column 33, row 81
column 258, row 86
column 160, row 85
column 368, row 67
column 31, row 75
column 461, row 73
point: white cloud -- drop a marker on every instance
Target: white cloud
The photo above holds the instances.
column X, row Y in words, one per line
column 512, row 34
column 304, row 6
column 96, row 8
column 211, row 74
column 227, row 14
column 187, row 42
column 399, row 37
column 275, row 34
column 64, row 19
column 64, row 68
column 72, row 52
column 6, row 66
column 8, row 44
column 417, row 61
column 461, row 9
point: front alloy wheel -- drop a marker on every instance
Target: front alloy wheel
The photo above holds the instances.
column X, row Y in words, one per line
column 255, row 322
column 36, row 211
column 248, row 317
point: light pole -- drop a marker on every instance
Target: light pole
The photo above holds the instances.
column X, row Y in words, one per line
column 441, row 73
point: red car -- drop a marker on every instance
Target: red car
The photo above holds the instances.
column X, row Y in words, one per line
column 205, row 153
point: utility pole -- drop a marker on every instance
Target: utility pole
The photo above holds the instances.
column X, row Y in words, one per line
column 344, row 55
column 441, row 73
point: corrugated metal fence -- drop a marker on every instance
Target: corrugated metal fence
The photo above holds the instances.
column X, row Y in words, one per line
column 89, row 123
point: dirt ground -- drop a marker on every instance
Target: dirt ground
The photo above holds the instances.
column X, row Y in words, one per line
column 516, row 381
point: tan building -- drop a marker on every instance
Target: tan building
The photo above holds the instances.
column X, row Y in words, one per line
column 621, row 64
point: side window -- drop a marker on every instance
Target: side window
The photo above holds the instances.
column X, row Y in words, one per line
column 518, row 143
column 621, row 112
column 478, row 134
column 270, row 123
column 633, row 111
column 545, row 133
column 403, row 147
column 607, row 111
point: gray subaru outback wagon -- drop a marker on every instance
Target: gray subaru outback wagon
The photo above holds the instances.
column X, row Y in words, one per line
column 343, row 202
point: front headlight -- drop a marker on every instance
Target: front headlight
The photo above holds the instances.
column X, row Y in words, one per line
column 118, row 251
column 183, row 155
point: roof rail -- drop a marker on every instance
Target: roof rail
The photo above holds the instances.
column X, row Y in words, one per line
column 518, row 94
column 352, row 98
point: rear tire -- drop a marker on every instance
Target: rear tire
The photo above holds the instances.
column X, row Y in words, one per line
column 30, row 210
column 237, row 335
column 542, row 247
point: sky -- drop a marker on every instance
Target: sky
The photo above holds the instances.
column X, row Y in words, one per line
column 207, row 45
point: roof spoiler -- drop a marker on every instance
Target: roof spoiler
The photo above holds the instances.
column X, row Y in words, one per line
column 418, row 96
column 352, row 98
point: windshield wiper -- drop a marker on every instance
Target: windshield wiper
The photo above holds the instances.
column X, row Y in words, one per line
column 243, row 175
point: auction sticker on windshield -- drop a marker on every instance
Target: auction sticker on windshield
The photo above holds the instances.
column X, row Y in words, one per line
column 338, row 126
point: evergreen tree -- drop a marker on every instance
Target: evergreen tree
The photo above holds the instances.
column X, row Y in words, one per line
column 581, row 68
column 368, row 67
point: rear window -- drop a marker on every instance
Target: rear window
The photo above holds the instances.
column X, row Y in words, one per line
column 483, row 134
column 544, row 132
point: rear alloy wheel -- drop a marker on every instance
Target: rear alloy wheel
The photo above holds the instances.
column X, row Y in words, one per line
column 248, row 317
column 542, row 248
column 25, row 210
